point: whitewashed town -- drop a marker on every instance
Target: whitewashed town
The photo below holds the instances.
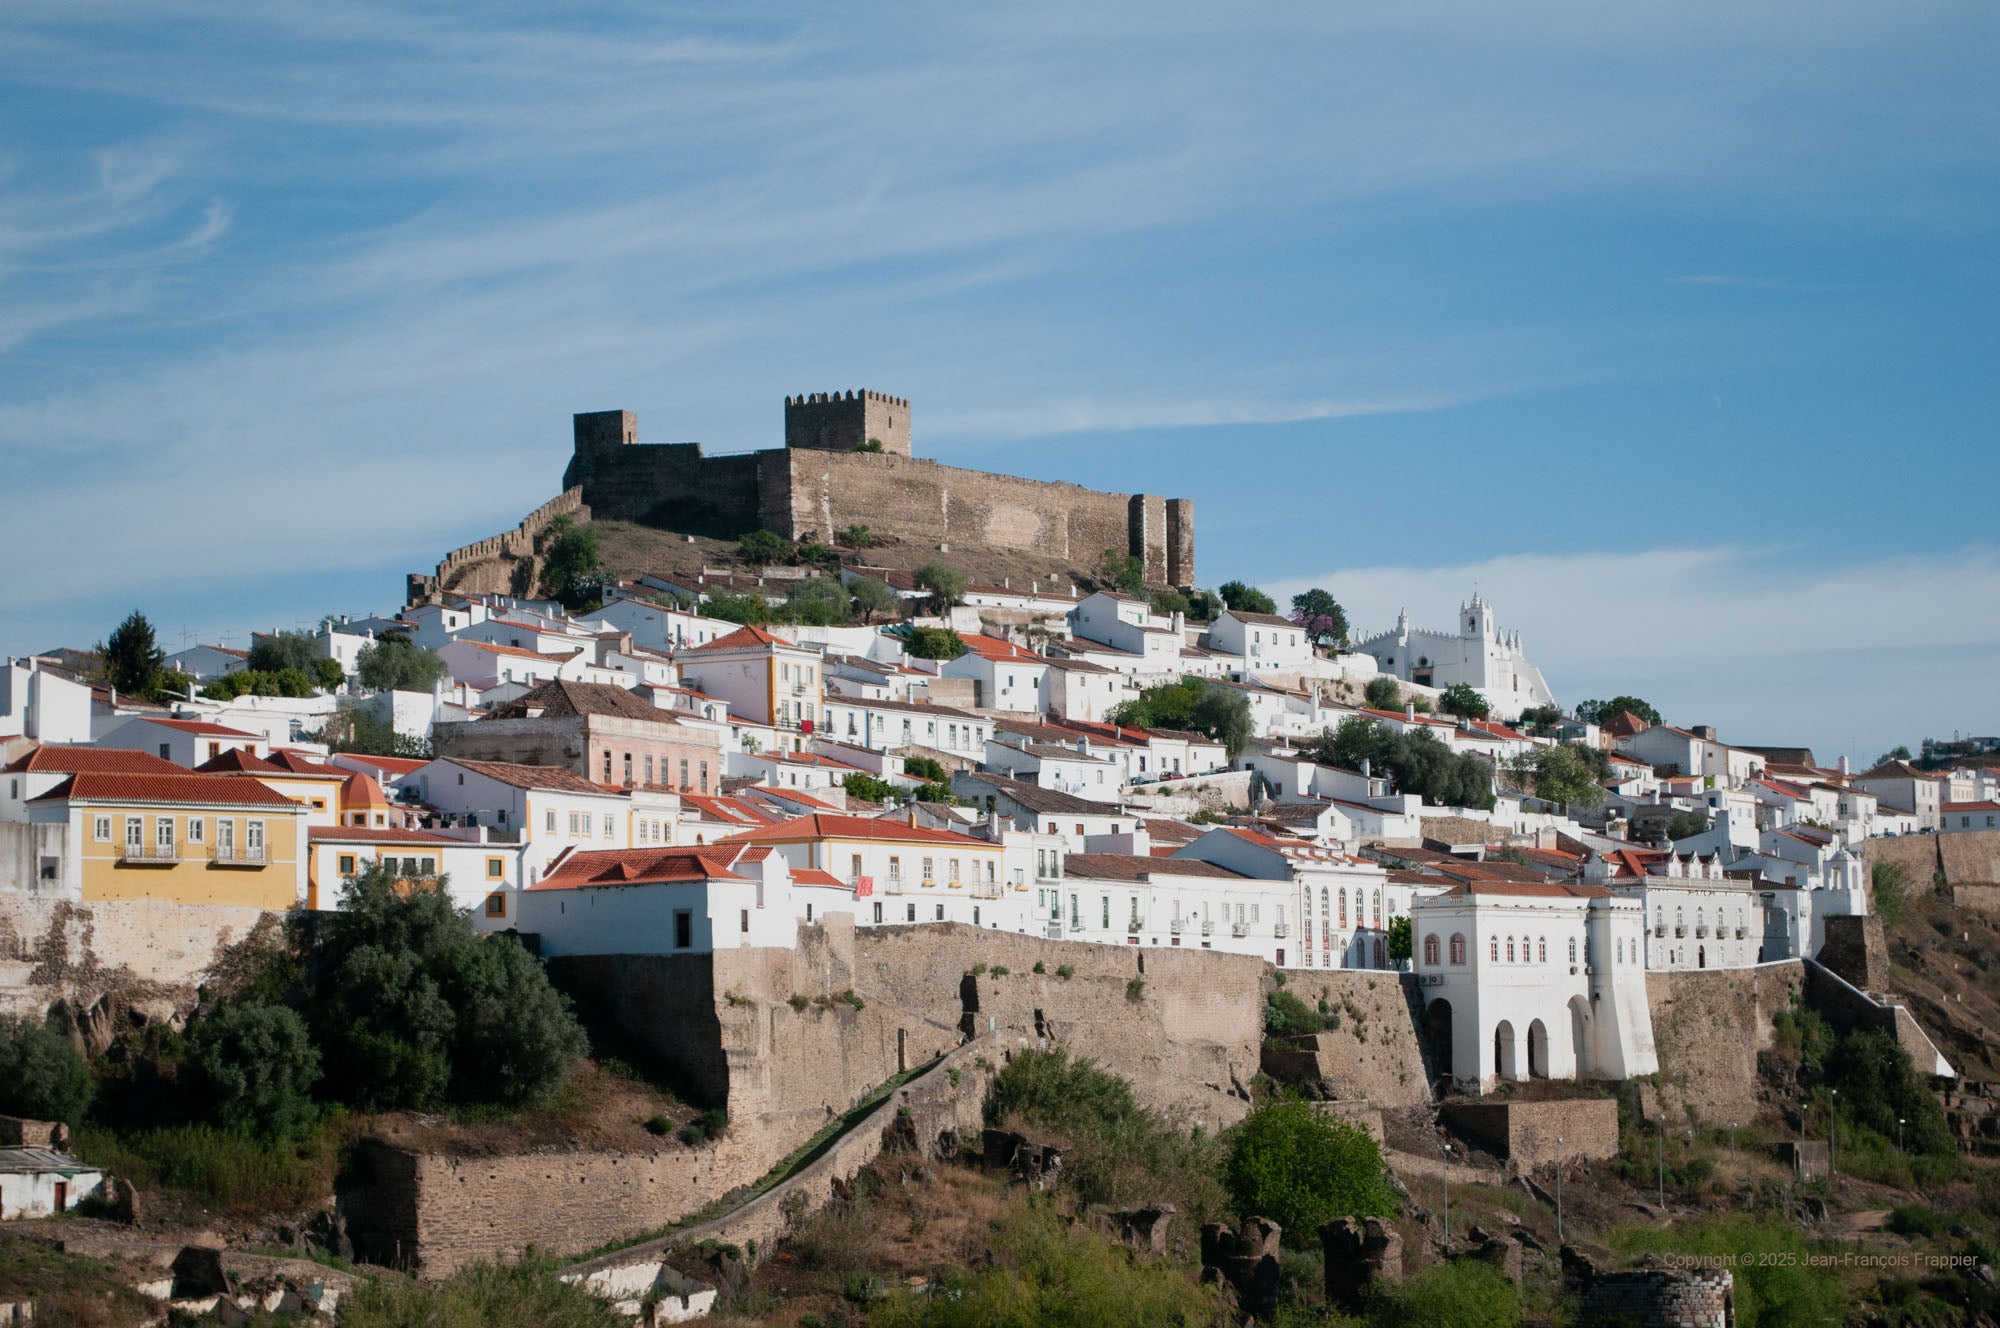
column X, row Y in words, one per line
column 773, row 748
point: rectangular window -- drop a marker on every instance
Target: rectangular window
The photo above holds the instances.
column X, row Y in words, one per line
column 940, row 912
column 496, row 868
column 607, row 767
column 102, row 829
column 684, row 776
column 1075, row 920
column 683, row 929
column 854, row 866
column 954, row 871
column 347, row 864
column 166, row 751
column 649, row 770
column 496, row 905
column 1104, row 911
column 163, row 834
column 572, row 825
column 253, row 836
column 930, row 874
column 704, row 776
column 429, row 866
column 609, row 833
column 878, row 910
column 895, row 868
column 909, row 913
column 225, row 837
column 552, row 820
column 746, row 921
column 196, row 827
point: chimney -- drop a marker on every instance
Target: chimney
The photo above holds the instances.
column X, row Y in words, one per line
column 1846, row 767
column 1410, row 711
column 1367, row 768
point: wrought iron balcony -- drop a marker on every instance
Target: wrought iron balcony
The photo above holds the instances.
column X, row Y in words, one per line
column 240, row 855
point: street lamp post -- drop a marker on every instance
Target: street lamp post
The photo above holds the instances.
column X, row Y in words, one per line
column 1559, row 1190
column 1832, row 1135
column 1447, row 1197
column 1900, row 1123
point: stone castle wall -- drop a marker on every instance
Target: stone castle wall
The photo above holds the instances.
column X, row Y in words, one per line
column 502, row 564
column 65, row 957
column 1527, row 1133
column 1373, row 1054
column 1708, row 1026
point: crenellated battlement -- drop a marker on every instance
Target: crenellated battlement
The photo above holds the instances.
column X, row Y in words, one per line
column 848, row 422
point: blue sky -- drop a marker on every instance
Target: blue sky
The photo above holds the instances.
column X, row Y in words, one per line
column 1672, row 331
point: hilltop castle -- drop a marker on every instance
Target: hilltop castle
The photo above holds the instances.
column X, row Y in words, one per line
column 847, row 461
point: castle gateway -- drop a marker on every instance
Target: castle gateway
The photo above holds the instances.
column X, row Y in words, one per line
column 847, row 461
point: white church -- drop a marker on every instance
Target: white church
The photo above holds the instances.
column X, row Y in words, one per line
column 1476, row 653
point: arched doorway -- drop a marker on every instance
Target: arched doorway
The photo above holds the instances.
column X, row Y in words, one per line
column 1506, row 1051
column 1538, row 1050
column 1437, row 1024
column 1579, row 1034
column 1701, row 956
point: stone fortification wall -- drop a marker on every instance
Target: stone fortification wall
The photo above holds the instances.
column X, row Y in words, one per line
column 671, row 485
column 1966, row 857
column 1847, row 1006
column 502, row 564
column 1526, row 1133
column 1708, row 1026
column 1917, row 855
column 1373, row 1054
column 91, row 964
column 1188, row 1042
column 1856, row 948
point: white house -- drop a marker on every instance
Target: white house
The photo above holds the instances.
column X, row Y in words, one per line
column 1076, row 770
column 884, row 725
column 40, row 703
column 1961, row 816
column 477, row 872
column 666, row 901
column 548, row 809
column 1005, row 676
column 1265, row 641
column 1079, row 689
column 1533, row 981
column 185, row 742
column 207, row 662
column 41, row 1182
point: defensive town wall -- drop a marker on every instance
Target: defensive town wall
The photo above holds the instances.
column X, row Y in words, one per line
column 503, row 564
column 1960, row 858
column 1531, row 1134
column 1708, row 1026
column 100, row 967
column 1372, row 1054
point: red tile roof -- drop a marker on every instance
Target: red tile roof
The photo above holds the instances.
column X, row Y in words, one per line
column 381, row 834
column 533, row 776
column 239, row 761
column 633, row 866
column 200, row 726
column 395, row 765
column 184, row 788
column 826, row 825
column 993, row 647
column 63, row 759
column 727, row 809
column 747, row 635
column 814, row 876
column 296, row 763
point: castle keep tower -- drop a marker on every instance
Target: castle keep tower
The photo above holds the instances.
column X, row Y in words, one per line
column 833, row 422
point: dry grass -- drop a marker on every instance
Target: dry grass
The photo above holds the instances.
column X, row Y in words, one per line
column 597, row 1110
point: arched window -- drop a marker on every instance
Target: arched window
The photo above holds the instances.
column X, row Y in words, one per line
column 1457, row 949
column 1343, row 908
column 1510, row 949
column 1680, row 921
column 1621, row 949
column 1700, row 920
column 1494, row 944
column 1659, row 915
column 1430, row 951
column 1542, row 950
column 1325, row 925
column 1378, row 908
column 1572, row 949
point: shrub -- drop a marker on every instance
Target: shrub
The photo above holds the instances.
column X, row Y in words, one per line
column 1383, row 693
column 253, row 1067
column 798, row 1001
column 761, row 547
column 41, row 1075
column 1781, row 1293
column 1135, row 990
column 528, row 1292
column 1115, row 1150
column 927, row 768
column 1890, row 897
column 1041, row 967
column 1046, row 1272
column 709, row 1125
column 1916, row 1220
column 1285, row 1014
column 934, row 643
column 979, row 968
column 233, row 1170
column 1290, row 1162
column 1462, row 1294
column 1001, row 970
column 659, row 1125
column 852, row 999
column 1065, row 971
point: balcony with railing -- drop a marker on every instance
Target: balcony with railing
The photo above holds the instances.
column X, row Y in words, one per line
column 1701, row 932
column 1660, row 930
column 892, row 885
column 1742, row 932
column 1174, row 927
column 240, row 855
column 162, row 853
column 1208, row 929
column 1281, row 930
column 986, row 890
column 1239, row 929
column 1680, row 931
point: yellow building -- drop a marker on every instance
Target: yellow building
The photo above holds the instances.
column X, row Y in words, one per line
column 318, row 787
column 186, row 839
column 764, row 678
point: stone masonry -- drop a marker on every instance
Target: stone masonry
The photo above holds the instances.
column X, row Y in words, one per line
column 817, row 485
column 1525, row 1133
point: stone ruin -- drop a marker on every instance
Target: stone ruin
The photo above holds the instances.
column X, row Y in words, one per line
column 1245, row 1261
column 1651, row 1297
column 1357, row 1254
column 1037, row 1166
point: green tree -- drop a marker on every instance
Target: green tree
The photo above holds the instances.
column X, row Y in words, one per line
column 572, row 564
column 1382, row 693
column 927, row 768
column 1890, row 898
column 132, row 658
column 1685, row 825
column 514, row 1039
column 1559, row 774
column 393, row 662
column 1123, row 571
column 41, row 1074
column 1896, row 753
column 868, row 788
column 1603, row 712
column 1247, row 598
column 352, row 729
column 273, row 651
column 1320, row 614
column 1166, row 603
column 1204, row 606
column 253, row 1067
column 1399, row 937
column 1417, row 762
column 815, row 554
column 857, row 537
column 1223, row 713
column 730, row 607
column 1466, row 700
column 761, row 548
column 945, row 585
column 818, row 601
column 328, row 674
column 871, row 596
column 1301, row 1168
column 250, row 682
column 1542, row 721
column 934, row 643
